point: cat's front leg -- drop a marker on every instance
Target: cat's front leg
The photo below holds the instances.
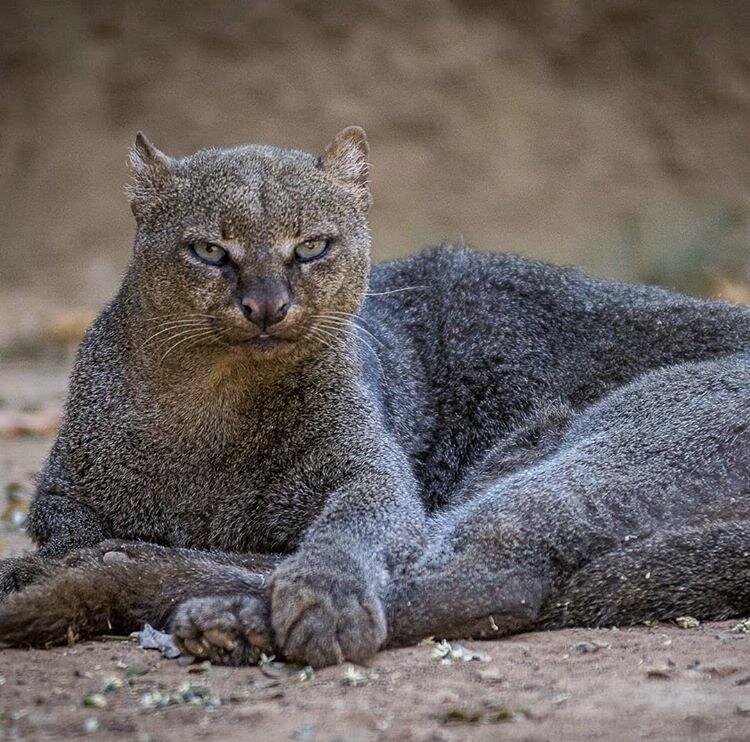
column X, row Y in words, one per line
column 326, row 599
column 225, row 629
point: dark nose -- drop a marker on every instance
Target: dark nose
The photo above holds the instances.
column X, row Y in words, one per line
column 267, row 305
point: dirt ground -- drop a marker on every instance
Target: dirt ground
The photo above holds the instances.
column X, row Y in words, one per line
column 659, row 682
column 533, row 687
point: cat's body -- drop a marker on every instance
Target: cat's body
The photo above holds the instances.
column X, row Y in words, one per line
column 452, row 457
column 464, row 348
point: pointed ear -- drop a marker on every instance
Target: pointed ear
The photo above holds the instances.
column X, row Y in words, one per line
column 345, row 160
column 151, row 170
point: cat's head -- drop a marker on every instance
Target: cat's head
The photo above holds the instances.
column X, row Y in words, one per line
column 258, row 250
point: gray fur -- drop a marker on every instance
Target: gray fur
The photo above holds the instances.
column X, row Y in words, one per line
column 486, row 444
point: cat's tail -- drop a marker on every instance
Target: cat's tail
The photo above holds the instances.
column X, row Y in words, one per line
column 116, row 597
column 700, row 571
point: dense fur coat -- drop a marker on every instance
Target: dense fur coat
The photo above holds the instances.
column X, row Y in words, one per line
column 462, row 444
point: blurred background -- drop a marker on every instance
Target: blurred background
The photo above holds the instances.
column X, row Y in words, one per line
column 611, row 134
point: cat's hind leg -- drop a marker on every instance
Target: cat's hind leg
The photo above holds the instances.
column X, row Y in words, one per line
column 661, row 454
column 700, row 571
column 534, row 438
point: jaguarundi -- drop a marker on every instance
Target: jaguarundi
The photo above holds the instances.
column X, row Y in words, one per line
column 270, row 446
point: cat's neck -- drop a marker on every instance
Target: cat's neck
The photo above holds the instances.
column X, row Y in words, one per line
column 213, row 385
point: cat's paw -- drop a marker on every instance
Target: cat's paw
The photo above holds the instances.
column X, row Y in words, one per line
column 225, row 630
column 18, row 572
column 321, row 618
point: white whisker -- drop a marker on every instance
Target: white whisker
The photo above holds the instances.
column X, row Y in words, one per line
column 394, row 291
column 191, row 336
column 353, row 334
column 179, row 315
column 351, row 320
column 199, row 339
column 314, row 332
column 195, row 324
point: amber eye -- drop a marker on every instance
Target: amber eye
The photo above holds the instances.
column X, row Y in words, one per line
column 208, row 252
column 311, row 250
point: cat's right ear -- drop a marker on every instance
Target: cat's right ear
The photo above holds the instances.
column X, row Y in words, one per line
column 151, row 170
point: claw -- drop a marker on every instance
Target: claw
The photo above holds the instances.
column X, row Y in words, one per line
column 194, row 647
column 258, row 640
column 220, row 639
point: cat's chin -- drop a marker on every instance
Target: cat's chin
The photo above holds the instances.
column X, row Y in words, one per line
column 265, row 347
column 267, row 343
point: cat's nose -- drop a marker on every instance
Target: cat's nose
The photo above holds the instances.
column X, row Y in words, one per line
column 266, row 306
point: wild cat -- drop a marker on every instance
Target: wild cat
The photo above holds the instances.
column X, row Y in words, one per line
column 297, row 452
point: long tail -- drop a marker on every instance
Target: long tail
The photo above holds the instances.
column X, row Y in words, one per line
column 94, row 598
column 702, row 571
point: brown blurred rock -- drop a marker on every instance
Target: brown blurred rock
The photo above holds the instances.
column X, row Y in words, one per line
column 730, row 289
column 17, row 424
column 67, row 327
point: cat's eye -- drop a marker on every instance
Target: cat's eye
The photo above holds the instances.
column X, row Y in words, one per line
column 311, row 250
column 208, row 252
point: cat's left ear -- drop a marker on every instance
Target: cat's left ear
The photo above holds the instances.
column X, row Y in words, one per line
column 346, row 160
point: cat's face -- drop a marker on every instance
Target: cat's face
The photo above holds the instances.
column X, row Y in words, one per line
column 255, row 250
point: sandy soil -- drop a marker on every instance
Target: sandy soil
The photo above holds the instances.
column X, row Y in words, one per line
column 534, row 686
column 658, row 682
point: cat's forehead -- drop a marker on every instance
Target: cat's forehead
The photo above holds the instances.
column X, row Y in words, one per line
column 256, row 187
column 250, row 165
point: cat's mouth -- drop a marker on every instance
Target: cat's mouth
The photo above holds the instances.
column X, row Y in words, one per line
column 265, row 341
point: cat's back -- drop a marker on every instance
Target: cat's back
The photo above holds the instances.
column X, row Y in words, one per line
column 456, row 302
column 492, row 337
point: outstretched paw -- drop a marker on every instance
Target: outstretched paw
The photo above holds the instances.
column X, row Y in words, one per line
column 226, row 630
column 324, row 619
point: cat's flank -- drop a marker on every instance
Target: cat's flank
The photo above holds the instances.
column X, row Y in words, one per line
column 270, row 447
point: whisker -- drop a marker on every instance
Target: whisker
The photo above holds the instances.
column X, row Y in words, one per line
column 346, row 331
column 178, row 314
column 171, row 322
column 354, row 317
column 352, row 320
column 220, row 334
column 315, row 330
column 191, row 325
column 356, row 337
column 202, row 333
column 320, row 338
column 183, row 332
column 198, row 340
column 394, row 291
column 326, row 331
column 182, row 328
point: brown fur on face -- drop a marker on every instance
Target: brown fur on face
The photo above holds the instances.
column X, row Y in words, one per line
column 257, row 203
